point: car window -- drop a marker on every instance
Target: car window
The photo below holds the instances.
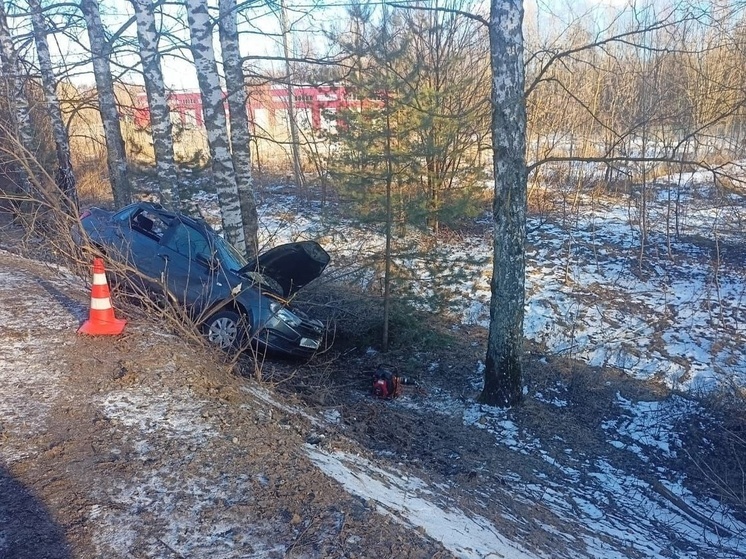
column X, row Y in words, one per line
column 229, row 255
column 149, row 223
column 188, row 242
column 124, row 215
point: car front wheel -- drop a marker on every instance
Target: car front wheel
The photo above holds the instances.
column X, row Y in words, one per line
column 227, row 330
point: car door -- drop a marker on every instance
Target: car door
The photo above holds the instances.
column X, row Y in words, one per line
column 134, row 237
column 144, row 236
column 189, row 269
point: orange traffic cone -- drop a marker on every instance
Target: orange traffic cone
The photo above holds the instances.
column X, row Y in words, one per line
column 101, row 320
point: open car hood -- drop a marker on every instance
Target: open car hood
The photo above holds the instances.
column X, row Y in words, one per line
column 292, row 265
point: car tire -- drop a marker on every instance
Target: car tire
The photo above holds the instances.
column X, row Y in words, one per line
column 227, row 330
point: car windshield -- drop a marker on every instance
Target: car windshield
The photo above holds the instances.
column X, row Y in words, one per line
column 229, row 255
column 234, row 260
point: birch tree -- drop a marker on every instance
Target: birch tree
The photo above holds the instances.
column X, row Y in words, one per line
column 239, row 122
column 21, row 118
column 155, row 89
column 224, row 177
column 503, row 371
column 116, row 157
column 64, row 177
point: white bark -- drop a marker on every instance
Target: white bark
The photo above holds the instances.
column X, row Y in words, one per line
column 503, row 371
column 239, row 122
column 224, row 176
column 65, row 177
column 13, row 75
column 116, row 157
column 160, row 118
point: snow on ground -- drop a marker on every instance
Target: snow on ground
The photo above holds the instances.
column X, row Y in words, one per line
column 176, row 504
column 20, row 324
column 410, row 500
column 607, row 511
column 644, row 514
column 679, row 319
column 675, row 319
column 192, row 526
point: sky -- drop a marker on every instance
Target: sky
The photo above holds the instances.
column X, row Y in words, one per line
column 261, row 35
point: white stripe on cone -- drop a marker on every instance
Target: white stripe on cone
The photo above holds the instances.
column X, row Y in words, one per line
column 99, row 279
column 100, row 304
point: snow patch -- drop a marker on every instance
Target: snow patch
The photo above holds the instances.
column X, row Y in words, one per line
column 408, row 500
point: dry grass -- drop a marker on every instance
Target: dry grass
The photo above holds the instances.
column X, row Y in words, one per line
column 715, row 448
column 93, row 182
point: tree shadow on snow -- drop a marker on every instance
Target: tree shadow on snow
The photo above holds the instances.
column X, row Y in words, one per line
column 71, row 305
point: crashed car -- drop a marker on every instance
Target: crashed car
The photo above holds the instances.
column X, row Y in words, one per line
column 234, row 301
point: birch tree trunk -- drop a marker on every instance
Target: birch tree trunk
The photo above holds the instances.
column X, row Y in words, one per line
column 503, row 371
column 23, row 133
column 116, row 157
column 239, row 120
column 160, row 116
column 64, row 177
column 223, row 172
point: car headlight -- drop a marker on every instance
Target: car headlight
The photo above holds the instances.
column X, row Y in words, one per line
column 285, row 315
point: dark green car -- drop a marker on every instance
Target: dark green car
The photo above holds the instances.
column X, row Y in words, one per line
column 235, row 302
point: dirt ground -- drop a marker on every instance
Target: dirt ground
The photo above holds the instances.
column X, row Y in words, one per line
column 147, row 445
column 213, row 464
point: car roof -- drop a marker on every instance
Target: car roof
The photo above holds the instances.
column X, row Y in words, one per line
column 197, row 223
